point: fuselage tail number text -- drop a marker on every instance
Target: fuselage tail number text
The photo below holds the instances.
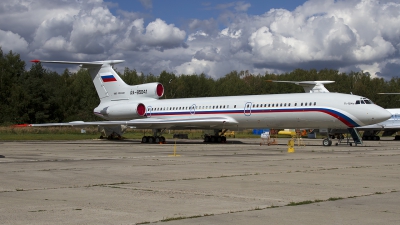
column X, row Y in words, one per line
column 139, row 92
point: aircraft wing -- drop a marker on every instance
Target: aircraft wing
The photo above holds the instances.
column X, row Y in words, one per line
column 152, row 123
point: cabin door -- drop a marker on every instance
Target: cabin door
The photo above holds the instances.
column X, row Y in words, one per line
column 149, row 109
column 247, row 109
column 193, row 109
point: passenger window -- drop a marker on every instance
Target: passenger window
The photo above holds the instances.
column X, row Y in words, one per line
column 357, row 102
column 284, row 104
column 315, row 103
column 305, row 104
column 234, row 106
column 269, row 105
column 301, row 104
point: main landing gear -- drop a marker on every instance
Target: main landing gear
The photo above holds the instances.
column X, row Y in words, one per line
column 113, row 136
column 156, row 138
column 216, row 138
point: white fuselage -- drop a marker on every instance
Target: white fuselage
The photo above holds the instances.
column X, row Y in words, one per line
column 300, row 110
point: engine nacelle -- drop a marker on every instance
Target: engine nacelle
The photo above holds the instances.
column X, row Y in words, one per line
column 149, row 90
column 124, row 111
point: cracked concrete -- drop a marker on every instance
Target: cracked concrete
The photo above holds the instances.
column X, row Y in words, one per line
column 240, row 182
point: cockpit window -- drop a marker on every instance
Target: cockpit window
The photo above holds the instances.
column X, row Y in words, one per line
column 364, row 101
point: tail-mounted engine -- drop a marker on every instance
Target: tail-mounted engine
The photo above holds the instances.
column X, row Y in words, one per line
column 150, row 90
column 126, row 111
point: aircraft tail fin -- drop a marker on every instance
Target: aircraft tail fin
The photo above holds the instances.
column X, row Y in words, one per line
column 109, row 85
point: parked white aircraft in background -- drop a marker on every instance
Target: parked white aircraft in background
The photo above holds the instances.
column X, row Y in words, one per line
column 309, row 86
column 370, row 132
column 140, row 106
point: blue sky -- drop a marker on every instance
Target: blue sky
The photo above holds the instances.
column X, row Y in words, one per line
column 179, row 12
column 210, row 37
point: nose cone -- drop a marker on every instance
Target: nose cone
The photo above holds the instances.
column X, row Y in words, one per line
column 380, row 115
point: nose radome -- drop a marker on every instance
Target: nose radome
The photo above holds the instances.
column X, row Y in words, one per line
column 381, row 115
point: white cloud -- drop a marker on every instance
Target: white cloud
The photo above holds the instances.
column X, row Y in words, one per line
column 10, row 41
column 148, row 4
column 158, row 33
column 334, row 34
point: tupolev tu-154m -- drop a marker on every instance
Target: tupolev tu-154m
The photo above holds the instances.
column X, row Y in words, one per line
column 140, row 106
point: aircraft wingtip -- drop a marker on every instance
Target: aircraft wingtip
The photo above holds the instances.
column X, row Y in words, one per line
column 22, row 125
column 35, row 60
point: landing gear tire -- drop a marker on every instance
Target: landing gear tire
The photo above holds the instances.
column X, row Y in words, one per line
column 326, row 142
column 223, row 139
column 213, row 139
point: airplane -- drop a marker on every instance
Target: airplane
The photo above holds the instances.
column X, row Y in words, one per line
column 140, row 106
column 370, row 132
column 308, row 86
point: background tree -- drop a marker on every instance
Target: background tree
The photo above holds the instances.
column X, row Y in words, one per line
column 39, row 95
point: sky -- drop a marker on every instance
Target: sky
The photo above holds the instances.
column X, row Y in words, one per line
column 210, row 37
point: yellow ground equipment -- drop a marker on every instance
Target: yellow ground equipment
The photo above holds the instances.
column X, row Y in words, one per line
column 290, row 146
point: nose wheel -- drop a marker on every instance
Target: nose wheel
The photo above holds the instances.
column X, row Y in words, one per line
column 327, row 142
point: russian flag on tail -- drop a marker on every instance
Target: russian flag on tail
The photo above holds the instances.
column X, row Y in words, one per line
column 108, row 78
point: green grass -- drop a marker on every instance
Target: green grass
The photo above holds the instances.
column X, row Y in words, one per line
column 74, row 133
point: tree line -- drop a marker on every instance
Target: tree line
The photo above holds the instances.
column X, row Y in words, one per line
column 39, row 95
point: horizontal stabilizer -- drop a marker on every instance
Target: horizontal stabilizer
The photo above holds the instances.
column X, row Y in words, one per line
column 82, row 64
